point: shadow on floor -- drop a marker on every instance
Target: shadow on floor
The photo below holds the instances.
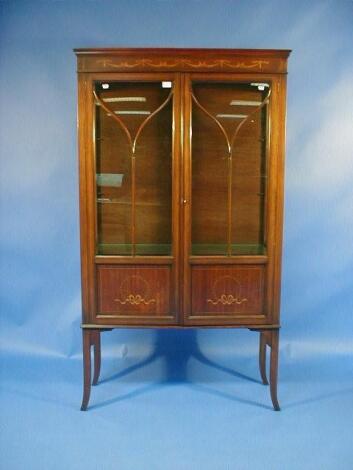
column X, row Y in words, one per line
column 176, row 350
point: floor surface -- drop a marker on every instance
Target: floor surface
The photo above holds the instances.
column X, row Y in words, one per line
column 176, row 411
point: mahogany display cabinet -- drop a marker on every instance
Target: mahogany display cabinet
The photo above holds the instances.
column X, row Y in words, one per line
column 181, row 162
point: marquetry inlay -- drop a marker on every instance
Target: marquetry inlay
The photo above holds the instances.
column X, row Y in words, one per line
column 135, row 299
column 227, row 299
column 195, row 64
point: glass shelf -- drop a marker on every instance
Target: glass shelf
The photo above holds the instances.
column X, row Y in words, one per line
column 211, row 249
column 140, row 249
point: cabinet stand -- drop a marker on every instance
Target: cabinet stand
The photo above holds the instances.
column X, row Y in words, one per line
column 91, row 337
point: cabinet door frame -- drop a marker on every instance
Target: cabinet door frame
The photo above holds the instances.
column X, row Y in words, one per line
column 88, row 214
column 274, row 203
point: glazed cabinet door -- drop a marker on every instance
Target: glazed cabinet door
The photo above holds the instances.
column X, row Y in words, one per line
column 134, row 211
column 227, row 199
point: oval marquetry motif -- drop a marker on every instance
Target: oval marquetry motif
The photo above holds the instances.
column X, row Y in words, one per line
column 136, row 291
column 222, row 290
column 141, row 294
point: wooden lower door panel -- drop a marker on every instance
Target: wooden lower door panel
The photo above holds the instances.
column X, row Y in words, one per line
column 135, row 293
column 221, row 292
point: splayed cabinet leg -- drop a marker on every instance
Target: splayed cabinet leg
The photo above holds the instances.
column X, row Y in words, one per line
column 87, row 341
column 274, row 368
column 262, row 357
column 96, row 340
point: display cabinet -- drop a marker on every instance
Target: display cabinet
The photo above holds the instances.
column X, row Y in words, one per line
column 181, row 156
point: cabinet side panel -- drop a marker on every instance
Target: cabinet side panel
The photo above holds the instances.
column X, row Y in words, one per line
column 82, row 151
column 275, row 197
column 279, row 198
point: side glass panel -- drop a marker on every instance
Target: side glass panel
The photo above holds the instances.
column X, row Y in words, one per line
column 133, row 148
column 229, row 168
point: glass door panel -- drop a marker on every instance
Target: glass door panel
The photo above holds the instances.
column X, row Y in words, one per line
column 229, row 170
column 133, row 136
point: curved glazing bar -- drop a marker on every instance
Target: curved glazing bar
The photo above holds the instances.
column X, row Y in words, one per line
column 112, row 114
column 246, row 118
column 151, row 116
column 214, row 119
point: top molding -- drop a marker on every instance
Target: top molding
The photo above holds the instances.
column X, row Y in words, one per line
column 182, row 60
